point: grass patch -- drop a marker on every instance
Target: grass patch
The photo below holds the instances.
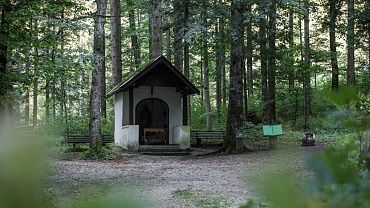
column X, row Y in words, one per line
column 200, row 199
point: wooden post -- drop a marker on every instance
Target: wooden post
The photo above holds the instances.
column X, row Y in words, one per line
column 185, row 109
column 131, row 106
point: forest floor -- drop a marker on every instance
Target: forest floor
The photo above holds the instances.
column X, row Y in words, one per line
column 174, row 181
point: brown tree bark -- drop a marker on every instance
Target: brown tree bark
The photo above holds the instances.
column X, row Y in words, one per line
column 5, row 81
column 115, row 10
column 351, row 43
column 218, row 74
column 249, row 52
column 35, row 78
column 263, row 57
column 235, row 108
column 272, row 61
column 307, row 65
column 291, row 78
column 97, row 77
column 156, row 29
column 207, row 99
column 135, row 44
column 178, row 33
column 333, row 13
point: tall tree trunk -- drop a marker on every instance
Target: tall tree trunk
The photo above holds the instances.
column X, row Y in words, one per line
column 223, row 60
column 103, row 91
column 291, row 45
column 263, row 54
column 368, row 33
column 27, row 96
column 135, row 45
column 218, row 74
column 177, row 33
column 27, row 107
column 307, row 65
column 186, row 44
column 35, row 78
column 115, row 10
column 249, row 52
column 333, row 13
column 187, row 50
column 168, row 41
column 351, row 43
column 97, row 78
column 272, row 61
column 234, row 122
column 47, row 100
column 5, row 81
column 156, row 29
column 207, row 99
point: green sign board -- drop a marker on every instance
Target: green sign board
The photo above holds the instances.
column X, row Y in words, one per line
column 272, row 130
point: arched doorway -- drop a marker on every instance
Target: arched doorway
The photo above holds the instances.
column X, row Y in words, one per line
column 151, row 115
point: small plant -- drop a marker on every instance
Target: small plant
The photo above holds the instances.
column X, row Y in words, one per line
column 103, row 154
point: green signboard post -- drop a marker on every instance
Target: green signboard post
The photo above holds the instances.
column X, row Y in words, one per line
column 272, row 131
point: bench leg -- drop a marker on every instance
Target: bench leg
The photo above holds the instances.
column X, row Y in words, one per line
column 73, row 146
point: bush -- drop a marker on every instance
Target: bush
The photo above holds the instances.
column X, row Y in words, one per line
column 104, row 154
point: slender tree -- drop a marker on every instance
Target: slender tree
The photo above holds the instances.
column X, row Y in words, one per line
column 156, row 29
column 135, row 44
column 351, row 42
column 207, row 99
column 235, row 108
column 272, row 61
column 115, row 8
column 97, row 77
column 263, row 57
column 333, row 13
column 249, row 51
column 307, row 65
column 178, row 33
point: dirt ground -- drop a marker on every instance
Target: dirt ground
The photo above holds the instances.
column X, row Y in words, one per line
column 175, row 181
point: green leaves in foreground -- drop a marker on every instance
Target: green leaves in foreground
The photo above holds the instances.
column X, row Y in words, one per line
column 336, row 181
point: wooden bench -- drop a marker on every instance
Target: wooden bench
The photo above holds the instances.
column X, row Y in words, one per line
column 207, row 135
column 84, row 139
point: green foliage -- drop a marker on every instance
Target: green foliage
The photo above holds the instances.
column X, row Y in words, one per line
column 253, row 137
column 337, row 181
column 104, row 154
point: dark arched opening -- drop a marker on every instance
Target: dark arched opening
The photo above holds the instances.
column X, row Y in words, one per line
column 151, row 115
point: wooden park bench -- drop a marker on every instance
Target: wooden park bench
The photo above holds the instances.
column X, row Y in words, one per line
column 84, row 139
column 207, row 135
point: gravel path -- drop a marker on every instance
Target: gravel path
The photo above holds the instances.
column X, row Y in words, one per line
column 176, row 181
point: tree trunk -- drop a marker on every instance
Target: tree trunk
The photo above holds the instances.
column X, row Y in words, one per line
column 135, row 45
column 235, row 108
column 218, row 74
column 333, row 13
column 5, row 82
column 97, row 78
column 263, row 54
column 115, row 8
column 168, row 41
column 177, row 33
column 156, row 29
column 207, row 99
column 187, row 51
column 222, row 61
column 47, row 100
column 307, row 66
column 272, row 61
column 35, row 78
column 291, row 45
column 351, row 43
column 249, row 52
